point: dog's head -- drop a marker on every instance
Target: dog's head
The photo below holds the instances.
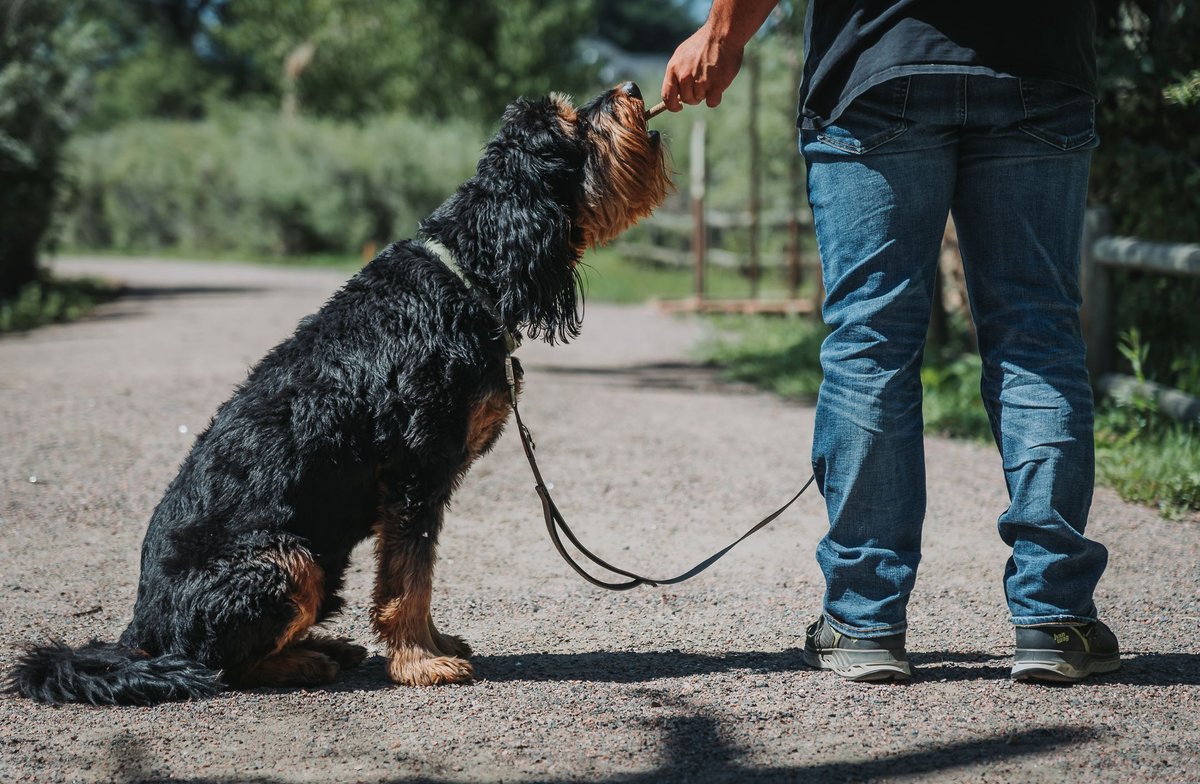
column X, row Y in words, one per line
column 554, row 181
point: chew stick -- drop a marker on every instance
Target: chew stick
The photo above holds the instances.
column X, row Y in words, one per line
column 656, row 110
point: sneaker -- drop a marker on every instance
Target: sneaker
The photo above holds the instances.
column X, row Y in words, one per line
column 1064, row 653
column 855, row 658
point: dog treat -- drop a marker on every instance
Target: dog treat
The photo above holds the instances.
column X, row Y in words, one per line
column 656, row 110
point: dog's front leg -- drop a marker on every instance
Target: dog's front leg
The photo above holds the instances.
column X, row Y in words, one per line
column 405, row 549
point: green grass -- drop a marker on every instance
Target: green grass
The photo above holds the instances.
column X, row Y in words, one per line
column 50, row 301
column 1146, row 457
column 1149, row 459
column 783, row 356
column 338, row 261
column 611, row 277
column 608, row 276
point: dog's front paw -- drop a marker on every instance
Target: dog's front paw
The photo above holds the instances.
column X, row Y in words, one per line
column 413, row 668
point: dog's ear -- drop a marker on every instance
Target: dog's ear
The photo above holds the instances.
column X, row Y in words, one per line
column 511, row 224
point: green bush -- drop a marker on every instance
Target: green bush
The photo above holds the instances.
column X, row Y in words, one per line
column 47, row 52
column 258, row 184
column 49, row 300
column 1140, row 452
column 1147, row 168
column 782, row 355
column 952, row 405
column 1148, row 458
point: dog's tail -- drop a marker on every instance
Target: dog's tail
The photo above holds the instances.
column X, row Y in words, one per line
column 108, row 674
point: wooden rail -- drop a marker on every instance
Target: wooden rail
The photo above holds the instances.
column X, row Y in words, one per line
column 1101, row 254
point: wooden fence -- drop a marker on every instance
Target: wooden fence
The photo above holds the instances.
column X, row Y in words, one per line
column 681, row 239
column 1102, row 254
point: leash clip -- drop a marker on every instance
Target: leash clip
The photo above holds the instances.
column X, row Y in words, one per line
column 529, row 437
column 510, row 376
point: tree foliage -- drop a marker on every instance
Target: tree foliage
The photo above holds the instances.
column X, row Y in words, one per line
column 48, row 50
column 637, row 26
column 348, row 58
column 1148, row 166
column 1147, row 169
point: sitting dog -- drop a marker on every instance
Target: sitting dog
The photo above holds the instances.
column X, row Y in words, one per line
column 363, row 423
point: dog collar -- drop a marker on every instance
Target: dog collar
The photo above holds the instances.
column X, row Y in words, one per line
column 447, row 258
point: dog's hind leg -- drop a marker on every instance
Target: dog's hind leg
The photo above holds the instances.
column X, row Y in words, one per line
column 295, row 665
column 347, row 654
column 400, row 613
column 449, row 644
column 271, row 598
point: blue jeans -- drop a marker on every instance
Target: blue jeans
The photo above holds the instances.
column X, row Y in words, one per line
column 1009, row 158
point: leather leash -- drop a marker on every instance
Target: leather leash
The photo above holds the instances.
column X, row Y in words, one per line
column 555, row 521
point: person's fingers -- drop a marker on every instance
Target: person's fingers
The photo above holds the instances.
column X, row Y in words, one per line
column 713, row 99
column 670, row 91
column 688, row 92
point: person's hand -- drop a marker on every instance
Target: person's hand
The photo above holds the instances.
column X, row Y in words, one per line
column 701, row 69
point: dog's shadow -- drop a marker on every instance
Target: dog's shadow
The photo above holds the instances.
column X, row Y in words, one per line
column 588, row 666
column 1138, row 668
column 630, row 666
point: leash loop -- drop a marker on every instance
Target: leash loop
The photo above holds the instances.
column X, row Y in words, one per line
column 556, row 523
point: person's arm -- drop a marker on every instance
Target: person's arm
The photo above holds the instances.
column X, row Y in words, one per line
column 705, row 64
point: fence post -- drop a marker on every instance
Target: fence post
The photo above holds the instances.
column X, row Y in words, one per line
column 1097, row 311
column 698, row 176
column 754, row 269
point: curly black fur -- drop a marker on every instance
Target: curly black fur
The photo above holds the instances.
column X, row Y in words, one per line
column 510, row 224
column 108, row 674
column 362, row 422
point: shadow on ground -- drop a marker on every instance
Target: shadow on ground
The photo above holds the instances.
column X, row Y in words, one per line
column 662, row 376
column 694, row 748
column 1138, row 668
column 168, row 292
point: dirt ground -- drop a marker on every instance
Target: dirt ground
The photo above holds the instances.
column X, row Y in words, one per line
column 656, row 463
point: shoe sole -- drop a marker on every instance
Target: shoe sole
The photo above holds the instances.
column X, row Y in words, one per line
column 1055, row 666
column 882, row 665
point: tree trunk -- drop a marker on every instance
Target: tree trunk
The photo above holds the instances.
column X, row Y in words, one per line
column 26, row 204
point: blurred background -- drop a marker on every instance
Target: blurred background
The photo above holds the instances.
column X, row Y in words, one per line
column 316, row 131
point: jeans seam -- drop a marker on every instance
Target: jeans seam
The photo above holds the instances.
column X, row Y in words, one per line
column 852, row 631
column 962, row 105
column 1043, row 620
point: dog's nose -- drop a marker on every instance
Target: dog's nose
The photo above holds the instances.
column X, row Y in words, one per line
column 631, row 89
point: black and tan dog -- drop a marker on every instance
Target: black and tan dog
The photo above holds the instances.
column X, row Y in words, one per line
column 363, row 423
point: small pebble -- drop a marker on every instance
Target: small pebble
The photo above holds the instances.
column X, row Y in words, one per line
column 33, row 480
column 183, row 428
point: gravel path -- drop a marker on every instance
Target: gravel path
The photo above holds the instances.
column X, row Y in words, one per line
column 655, row 463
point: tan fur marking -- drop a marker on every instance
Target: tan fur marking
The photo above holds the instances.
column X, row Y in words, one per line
column 486, row 423
column 414, row 666
column 627, row 176
column 340, row 649
column 308, row 588
column 449, row 644
column 400, row 614
column 292, row 666
column 567, row 116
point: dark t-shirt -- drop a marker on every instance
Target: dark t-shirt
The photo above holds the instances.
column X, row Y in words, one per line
column 852, row 46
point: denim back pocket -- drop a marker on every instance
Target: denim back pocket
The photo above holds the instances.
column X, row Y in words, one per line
column 1058, row 114
column 873, row 118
